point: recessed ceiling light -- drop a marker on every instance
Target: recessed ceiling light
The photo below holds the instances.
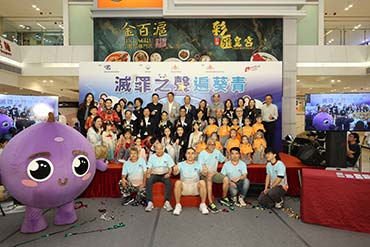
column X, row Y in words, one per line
column 44, row 81
column 350, row 6
column 298, row 80
column 34, row 6
column 38, row 9
column 332, row 80
column 22, row 26
column 51, row 81
column 338, row 80
column 38, row 24
column 346, row 9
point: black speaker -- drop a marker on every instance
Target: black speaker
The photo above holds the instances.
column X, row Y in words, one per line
column 336, row 148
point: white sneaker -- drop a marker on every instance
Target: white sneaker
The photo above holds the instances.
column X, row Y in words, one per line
column 241, row 201
column 167, row 206
column 178, row 209
column 236, row 202
column 203, row 208
column 150, row 207
column 279, row 204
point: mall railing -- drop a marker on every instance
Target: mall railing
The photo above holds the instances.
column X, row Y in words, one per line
column 355, row 36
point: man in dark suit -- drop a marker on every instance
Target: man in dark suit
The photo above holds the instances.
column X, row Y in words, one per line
column 191, row 110
column 184, row 121
column 146, row 125
column 155, row 108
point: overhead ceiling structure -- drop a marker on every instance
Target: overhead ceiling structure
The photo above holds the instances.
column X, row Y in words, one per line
column 65, row 87
column 332, row 84
column 32, row 15
column 337, row 17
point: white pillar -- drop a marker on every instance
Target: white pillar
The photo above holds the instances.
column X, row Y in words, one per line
column 321, row 23
column 66, row 22
column 289, row 76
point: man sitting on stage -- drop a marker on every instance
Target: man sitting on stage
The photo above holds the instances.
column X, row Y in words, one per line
column 159, row 170
column 211, row 157
column 276, row 184
column 236, row 171
column 190, row 183
column 133, row 179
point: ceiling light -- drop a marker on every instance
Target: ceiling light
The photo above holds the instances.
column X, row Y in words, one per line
column 338, row 80
column 22, row 26
column 44, row 81
column 28, row 27
column 61, row 26
column 38, row 9
column 350, row 6
column 38, row 24
column 298, row 80
column 51, row 81
column 34, row 6
column 353, row 30
column 332, row 81
column 328, row 32
column 346, row 9
column 4, row 35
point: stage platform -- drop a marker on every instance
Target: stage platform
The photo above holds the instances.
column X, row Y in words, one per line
column 105, row 184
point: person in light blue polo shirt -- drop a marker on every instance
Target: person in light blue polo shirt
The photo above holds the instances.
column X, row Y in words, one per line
column 276, row 184
column 133, row 179
column 159, row 170
column 211, row 157
column 190, row 183
column 236, row 171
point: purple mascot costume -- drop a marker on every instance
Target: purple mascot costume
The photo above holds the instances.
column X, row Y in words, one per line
column 47, row 166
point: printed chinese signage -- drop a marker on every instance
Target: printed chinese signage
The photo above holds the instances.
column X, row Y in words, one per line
column 175, row 40
column 130, row 4
column 9, row 50
column 232, row 80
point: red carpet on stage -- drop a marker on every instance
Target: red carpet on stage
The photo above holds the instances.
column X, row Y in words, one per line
column 105, row 184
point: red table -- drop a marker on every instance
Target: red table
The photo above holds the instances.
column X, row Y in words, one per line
column 104, row 184
column 333, row 201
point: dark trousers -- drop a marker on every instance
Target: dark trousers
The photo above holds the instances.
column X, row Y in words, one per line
column 154, row 179
column 274, row 195
column 270, row 132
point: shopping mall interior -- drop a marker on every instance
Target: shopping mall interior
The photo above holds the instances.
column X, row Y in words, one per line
column 47, row 46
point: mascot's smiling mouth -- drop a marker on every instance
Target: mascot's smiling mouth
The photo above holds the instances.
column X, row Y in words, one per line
column 62, row 183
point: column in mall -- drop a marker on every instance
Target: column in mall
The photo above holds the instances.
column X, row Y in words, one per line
column 1, row 25
column 289, row 76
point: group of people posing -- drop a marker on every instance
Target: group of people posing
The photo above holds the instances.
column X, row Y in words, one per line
column 178, row 127
column 197, row 175
column 161, row 140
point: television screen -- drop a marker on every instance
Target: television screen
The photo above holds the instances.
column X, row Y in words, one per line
column 337, row 112
column 18, row 112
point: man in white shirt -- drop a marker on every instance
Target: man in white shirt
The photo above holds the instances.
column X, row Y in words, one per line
column 276, row 182
column 171, row 107
column 236, row 171
column 159, row 170
column 269, row 116
column 190, row 183
column 210, row 158
column 133, row 179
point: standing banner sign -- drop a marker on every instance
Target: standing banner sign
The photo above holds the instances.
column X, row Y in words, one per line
column 232, row 80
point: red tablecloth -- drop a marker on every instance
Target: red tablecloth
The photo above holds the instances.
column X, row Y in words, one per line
column 334, row 201
column 104, row 184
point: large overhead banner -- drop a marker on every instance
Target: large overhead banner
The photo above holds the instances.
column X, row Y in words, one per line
column 232, row 80
column 187, row 40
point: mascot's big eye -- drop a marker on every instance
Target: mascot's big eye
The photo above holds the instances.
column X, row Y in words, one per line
column 40, row 169
column 326, row 121
column 5, row 124
column 80, row 165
